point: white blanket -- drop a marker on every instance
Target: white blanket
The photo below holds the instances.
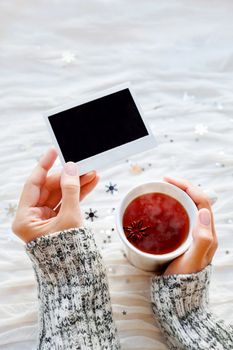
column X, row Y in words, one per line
column 179, row 57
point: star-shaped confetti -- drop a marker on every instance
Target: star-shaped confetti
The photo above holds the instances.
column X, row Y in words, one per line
column 136, row 169
column 111, row 188
column 91, row 214
column 201, row 129
column 68, row 57
column 11, row 209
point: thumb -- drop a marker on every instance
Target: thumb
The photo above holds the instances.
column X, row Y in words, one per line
column 202, row 232
column 70, row 187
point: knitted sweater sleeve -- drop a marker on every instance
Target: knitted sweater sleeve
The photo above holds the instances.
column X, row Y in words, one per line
column 74, row 303
column 180, row 303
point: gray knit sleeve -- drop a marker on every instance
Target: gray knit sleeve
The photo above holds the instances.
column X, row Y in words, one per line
column 74, row 303
column 180, row 303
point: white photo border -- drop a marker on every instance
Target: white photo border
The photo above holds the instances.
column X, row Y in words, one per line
column 114, row 155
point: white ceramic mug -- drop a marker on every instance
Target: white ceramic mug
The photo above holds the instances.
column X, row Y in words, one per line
column 147, row 261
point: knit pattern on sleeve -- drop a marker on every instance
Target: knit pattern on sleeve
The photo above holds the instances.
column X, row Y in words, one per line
column 74, row 302
column 180, row 303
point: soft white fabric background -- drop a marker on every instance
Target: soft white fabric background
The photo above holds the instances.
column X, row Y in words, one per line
column 178, row 55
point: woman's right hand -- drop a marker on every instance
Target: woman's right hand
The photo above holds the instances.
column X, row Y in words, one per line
column 205, row 243
column 50, row 203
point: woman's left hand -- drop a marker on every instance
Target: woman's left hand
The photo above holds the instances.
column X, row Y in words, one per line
column 205, row 243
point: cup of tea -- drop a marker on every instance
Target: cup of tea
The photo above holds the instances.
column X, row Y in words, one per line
column 155, row 222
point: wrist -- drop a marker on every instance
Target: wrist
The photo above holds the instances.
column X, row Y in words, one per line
column 63, row 254
column 182, row 293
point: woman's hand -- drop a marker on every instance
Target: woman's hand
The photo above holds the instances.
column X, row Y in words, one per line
column 39, row 211
column 205, row 242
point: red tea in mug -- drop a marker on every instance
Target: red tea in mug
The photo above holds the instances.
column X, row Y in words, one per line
column 155, row 223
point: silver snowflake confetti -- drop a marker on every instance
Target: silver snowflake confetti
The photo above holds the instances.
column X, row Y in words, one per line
column 11, row 209
column 91, row 214
column 201, row 129
column 111, row 188
column 68, row 57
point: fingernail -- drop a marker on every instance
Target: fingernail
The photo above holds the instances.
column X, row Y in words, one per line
column 71, row 169
column 204, row 217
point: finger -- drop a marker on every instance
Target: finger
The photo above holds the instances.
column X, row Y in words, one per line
column 50, row 187
column 203, row 238
column 181, row 183
column 31, row 191
column 70, row 187
column 86, row 178
column 53, row 181
column 197, row 195
column 43, row 213
column 50, row 194
column 198, row 256
column 85, row 190
column 54, row 199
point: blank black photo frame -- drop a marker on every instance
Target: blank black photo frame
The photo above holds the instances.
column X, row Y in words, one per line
column 100, row 130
